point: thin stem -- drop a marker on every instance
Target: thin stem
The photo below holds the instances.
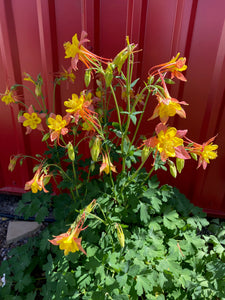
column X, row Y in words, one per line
column 136, row 173
column 75, row 178
column 101, row 210
column 96, row 217
column 43, row 102
column 128, row 88
column 61, row 170
column 22, row 103
column 117, row 107
column 36, row 98
column 72, row 193
column 140, row 118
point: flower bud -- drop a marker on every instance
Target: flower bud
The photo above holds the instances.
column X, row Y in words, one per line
column 90, row 206
column 87, row 77
column 150, row 79
column 194, row 156
column 38, row 89
column 120, row 235
column 180, row 164
column 95, row 148
column 70, row 151
column 109, row 75
column 173, row 169
column 145, row 153
column 38, row 85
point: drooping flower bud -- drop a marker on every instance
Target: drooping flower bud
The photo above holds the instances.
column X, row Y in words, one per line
column 95, row 146
column 180, row 164
column 109, row 74
column 70, row 151
column 120, row 235
column 145, row 153
column 173, row 169
column 87, row 77
column 12, row 162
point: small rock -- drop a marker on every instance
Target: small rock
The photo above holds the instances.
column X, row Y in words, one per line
column 20, row 229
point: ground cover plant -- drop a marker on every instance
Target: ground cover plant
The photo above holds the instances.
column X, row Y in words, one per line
column 118, row 234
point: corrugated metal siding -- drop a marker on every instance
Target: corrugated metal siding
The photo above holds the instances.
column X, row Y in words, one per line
column 32, row 33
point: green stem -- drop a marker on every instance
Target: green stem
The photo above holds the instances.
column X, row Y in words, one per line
column 36, row 98
column 101, row 210
column 140, row 118
column 75, row 178
column 61, row 170
column 72, row 193
column 136, row 173
column 43, row 102
column 22, row 103
column 117, row 107
column 96, row 217
column 128, row 88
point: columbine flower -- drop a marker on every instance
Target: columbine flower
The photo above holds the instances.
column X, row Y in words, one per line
column 81, row 107
column 107, row 165
column 170, row 142
column 168, row 107
column 32, row 120
column 8, row 97
column 77, row 52
column 68, row 75
column 38, row 182
column 206, row 151
column 12, row 162
column 69, row 241
column 58, row 124
column 175, row 66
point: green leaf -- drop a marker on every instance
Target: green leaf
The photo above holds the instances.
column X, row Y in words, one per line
column 144, row 216
column 143, row 285
column 122, row 280
column 171, row 219
column 84, row 280
column 41, row 214
column 45, row 137
column 161, row 280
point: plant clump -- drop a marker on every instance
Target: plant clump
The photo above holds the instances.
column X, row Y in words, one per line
column 117, row 233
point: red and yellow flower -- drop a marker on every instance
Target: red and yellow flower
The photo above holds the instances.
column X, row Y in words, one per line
column 69, row 241
column 175, row 66
column 168, row 107
column 8, row 97
column 206, row 151
column 32, row 120
column 170, row 142
column 107, row 165
column 57, row 125
column 38, row 182
column 76, row 51
column 81, row 107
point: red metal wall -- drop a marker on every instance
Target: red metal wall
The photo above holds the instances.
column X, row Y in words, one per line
column 32, row 33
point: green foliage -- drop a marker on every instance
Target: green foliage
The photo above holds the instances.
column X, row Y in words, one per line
column 171, row 251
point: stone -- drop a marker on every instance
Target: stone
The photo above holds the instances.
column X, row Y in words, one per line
column 20, row 229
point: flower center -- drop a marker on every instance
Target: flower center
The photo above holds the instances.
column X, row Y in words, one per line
column 168, row 142
column 32, row 120
column 56, row 124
